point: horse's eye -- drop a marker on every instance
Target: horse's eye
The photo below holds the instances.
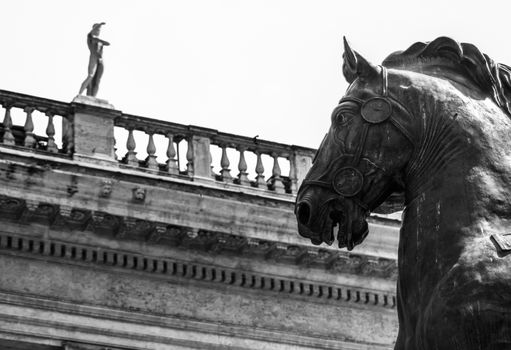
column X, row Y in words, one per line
column 341, row 118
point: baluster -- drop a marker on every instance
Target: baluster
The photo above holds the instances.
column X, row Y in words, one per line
column 171, row 166
column 131, row 156
column 150, row 161
column 189, row 157
column 225, row 173
column 260, row 171
column 29, row 128
column 8, row 137
column 277, row 184
column 50, row 132
column 242, row 167
column 292, row 176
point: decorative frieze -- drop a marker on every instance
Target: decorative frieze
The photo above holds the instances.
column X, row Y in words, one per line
column 72, row 218
column 104, row 223
column 171, row 268
column 229, row 244
column 135, row 229
column 12, row 208
column 44, row 213
column 166, row 235
column 161, row 234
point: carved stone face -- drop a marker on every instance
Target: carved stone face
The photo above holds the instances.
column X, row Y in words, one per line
column 139, row 194
column 106, row 188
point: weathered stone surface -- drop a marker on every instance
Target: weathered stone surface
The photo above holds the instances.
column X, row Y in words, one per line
column 175, row 203
column 194, row 301
column 93, row 101
column 99, row 253
column 93, row 130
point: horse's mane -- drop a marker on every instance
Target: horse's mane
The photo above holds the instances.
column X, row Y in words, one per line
column 492, row 78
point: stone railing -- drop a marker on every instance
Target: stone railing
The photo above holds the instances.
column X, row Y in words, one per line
column 25, row 109
column 196, row 158
column 94, row 134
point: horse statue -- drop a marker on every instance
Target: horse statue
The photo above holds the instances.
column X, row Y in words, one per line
column 434, row 122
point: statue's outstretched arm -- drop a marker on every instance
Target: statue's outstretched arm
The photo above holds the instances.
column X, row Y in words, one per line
column 97, row 39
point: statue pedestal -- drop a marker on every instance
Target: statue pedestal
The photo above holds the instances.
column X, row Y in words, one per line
column 93, row 129
column 93, row 101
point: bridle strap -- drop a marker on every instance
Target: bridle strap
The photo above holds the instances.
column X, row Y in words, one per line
column 363, row 137
column 317, row 183
column 361, row 145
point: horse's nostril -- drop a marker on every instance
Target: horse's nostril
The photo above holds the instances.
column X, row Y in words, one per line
column 303, row 213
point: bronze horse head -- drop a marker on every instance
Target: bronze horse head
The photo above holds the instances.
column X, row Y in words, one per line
column 361, row 160
column 434, row 122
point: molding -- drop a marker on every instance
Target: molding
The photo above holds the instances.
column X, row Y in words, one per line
column 77, row 318
column 393, row 204
column 124, row 169
column 162, row 234
column 167, row 268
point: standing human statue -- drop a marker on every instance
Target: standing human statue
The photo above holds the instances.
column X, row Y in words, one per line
column 95, row 69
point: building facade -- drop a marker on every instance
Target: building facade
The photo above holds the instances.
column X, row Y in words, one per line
column 108, row 241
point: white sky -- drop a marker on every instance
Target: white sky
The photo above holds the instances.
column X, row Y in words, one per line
column 271, row 68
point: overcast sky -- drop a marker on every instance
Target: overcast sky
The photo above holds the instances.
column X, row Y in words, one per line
column 271, row 68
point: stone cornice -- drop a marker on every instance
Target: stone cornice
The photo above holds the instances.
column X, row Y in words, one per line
column 394, row 203
column 70, row 185
column 189, row 238
column 20, row 156
column 168, row 268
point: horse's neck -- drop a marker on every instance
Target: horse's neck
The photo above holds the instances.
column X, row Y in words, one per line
column 458, row 185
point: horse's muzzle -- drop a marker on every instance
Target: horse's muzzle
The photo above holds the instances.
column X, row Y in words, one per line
column 303, row 213
column 313, row 218
column 322, row 214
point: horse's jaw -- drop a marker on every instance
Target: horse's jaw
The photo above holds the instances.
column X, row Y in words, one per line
column 351, row 222
column 322, row 220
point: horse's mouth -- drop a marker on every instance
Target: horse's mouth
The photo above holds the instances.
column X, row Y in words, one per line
column 324, row 236
column 349, row 227
column 347, row 235
column 338, row 219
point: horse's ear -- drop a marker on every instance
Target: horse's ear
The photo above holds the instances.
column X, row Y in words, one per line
column 356, row 65
column 349, row 66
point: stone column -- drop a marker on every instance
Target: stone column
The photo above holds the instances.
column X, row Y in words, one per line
column 93, row 130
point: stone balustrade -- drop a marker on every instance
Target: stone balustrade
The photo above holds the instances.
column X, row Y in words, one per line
column 108, row 137
column 24, row 135
column 199, row 144
column 91, row 133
